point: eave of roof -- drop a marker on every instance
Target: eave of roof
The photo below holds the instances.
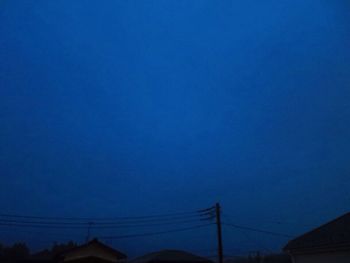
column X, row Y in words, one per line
column 333, row 235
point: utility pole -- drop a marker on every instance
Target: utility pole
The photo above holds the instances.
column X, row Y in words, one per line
column 218, row 224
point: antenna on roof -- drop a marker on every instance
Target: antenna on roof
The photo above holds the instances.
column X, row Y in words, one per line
column 88, row 231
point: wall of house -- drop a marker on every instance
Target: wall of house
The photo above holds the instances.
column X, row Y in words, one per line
column 91, row 251
column 331, row 257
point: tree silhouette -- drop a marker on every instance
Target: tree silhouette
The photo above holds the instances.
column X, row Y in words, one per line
column 17, row 251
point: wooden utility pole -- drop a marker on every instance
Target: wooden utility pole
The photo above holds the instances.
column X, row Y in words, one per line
column 218, row 224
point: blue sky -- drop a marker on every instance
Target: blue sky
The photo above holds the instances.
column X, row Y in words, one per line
column 124, row 108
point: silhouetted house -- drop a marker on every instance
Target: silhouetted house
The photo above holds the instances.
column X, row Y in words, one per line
column 271, row 258
column 327, row 243
column 170, row 256
column 92, row 252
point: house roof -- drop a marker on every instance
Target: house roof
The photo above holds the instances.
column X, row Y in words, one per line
column 97, row 243
column 332, row 235
column 169, row 256
column 44, row 255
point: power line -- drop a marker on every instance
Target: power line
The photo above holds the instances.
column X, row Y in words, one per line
column 257, row 230
column 40, row 234
column 256, row 242
column 12, row 220
column 99, row 223
column 168, row 216
column 40, row 226
column 93, row 225
column 277, row 222
column 156, row 233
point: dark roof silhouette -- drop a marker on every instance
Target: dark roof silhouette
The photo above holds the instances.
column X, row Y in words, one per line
column 95, row 242
column 170, row 256
column 51, row 256
column 332, row 235
column 44, row 255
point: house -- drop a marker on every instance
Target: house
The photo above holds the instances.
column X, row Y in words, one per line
column 92, row 252
column 327, row 243
column 170, row 256
column 271, row 258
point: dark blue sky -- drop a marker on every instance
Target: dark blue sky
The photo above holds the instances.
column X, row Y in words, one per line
column 124, row 108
